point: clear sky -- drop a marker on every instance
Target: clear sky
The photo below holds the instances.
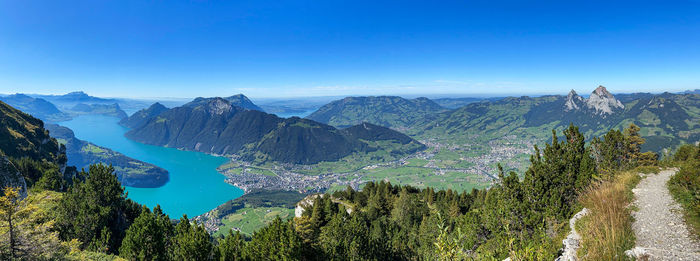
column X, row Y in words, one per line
column 143, row 48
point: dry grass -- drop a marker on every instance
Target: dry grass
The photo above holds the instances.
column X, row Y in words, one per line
column 607, row 232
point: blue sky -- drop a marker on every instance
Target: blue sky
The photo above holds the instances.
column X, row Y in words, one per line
column 145, row 48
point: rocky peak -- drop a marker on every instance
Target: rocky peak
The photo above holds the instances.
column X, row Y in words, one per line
column 218, row 106
column 573, row 101
column 603, row 102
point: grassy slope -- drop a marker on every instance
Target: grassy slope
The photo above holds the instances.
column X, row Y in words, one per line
column 250, row 219
column 607, row 231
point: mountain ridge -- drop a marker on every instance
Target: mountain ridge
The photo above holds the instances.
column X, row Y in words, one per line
column 216, row 126
column 388, row 111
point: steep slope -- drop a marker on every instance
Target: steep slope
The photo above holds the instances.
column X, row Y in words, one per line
column 130, row 172
column 141, row 117
column 666, row 119
column 388, row 111
column 36, row 107
column 22, row 135
column 10, row 176
column 215, row 126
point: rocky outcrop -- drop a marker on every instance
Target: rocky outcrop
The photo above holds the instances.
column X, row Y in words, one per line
column 10, row 176
column 603, row 102
column 309, row 200
column 572, row 242
column 573, row 101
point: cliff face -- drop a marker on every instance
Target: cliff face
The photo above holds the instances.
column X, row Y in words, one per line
column 603, row 102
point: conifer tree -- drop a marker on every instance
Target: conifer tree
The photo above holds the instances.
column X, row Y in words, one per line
column 191, row 242
column 92, row 206
column 231, row 247
column 146, row 238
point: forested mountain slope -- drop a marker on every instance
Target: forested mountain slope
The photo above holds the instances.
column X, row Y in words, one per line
column 388, row 111
column 216, row 126
column 28, row 155
column 140, row 118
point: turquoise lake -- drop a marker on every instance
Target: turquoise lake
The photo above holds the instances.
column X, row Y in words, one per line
column 195, row 186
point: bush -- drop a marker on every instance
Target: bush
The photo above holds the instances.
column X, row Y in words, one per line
column 685, row 188
column 647, row 169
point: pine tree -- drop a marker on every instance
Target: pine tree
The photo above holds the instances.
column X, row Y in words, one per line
column 146, row 238
column 191, row 242
column 91, row 206
column 276, row 241
column 231, row 247
column 633, row 142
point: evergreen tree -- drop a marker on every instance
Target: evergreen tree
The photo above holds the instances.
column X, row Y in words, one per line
column 231, row 247
column 92, row 206
column 276, row 241
column 146, row 238
column 633, row 142
column 191, row 242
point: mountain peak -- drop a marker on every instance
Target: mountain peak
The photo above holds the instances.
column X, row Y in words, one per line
column 573, row 101
column 218, row 106
column 603, row 102
column 602, row 91
column 242, row 101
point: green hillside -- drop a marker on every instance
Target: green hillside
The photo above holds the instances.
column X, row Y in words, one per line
column 666, row 119
column 388, row 111
column 140, row 118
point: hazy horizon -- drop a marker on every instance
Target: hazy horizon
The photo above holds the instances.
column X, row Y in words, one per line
column 292, row 49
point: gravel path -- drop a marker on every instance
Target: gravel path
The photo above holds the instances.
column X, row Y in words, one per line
column 661, row 232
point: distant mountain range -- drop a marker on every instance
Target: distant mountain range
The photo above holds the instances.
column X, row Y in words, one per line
column 74, row 98
column 666, row 119
column 37, row 107
column 215, row 125
column 388, row 111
